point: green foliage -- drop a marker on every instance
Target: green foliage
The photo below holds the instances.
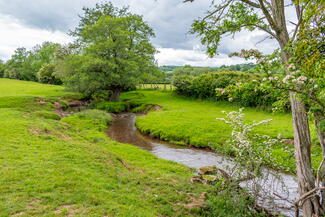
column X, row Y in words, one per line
column 16, row 66
column 242, row 88
column 2, row 69
column 46, row 75
column 194, row 122
column 25, row 64
column 89, row 119
column 47, row 115
column 115, row 52
column 226, row 18
column 253, row 94
column 236, row 200
column 172, row 72
column 183, row 85
column 114, row 107
column 71, row 167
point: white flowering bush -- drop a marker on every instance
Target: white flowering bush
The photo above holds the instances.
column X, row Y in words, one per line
column 253, row 94
column 252, row 150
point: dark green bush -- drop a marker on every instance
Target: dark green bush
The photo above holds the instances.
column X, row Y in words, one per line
column 242, row 88
column 114, row 107
column 46, row 75
column 253, row 94
column 204, row 86
column 183, row 85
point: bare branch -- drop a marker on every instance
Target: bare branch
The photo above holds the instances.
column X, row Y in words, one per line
column 268, row 15
column 308, row 194
column 267, row 37
column 220, row 9
column 253, row 4
column 299, row 11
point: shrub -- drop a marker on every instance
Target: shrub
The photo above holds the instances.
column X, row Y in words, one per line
column 114, row 107
column 45, row 75
column 240, row 87
column 183, row 84
column 228, row 200
column 253, row 94
column 204, row 86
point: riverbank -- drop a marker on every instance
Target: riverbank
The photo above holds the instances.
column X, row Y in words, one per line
column 186, row 121
column 54, row 166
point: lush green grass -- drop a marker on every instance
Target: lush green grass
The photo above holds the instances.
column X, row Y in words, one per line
column 69, row 167
column 191, row 121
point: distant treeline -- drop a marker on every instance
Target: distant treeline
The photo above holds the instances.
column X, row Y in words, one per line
column 244, row 67
column 172, row 71
column 37, row 64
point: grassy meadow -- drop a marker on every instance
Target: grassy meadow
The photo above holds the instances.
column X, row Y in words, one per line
column 187, row 121
column 69, row 167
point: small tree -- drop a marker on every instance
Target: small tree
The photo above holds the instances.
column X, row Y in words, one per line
column 115, row 52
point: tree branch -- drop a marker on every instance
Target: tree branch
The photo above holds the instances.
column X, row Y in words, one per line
column 253, row 4
column 268, row 16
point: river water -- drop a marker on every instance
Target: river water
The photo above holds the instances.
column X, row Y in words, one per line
column 277, row 189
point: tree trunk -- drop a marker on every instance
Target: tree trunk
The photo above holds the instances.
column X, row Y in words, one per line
column 115, row 95
column 306, row 179
column 321, row 137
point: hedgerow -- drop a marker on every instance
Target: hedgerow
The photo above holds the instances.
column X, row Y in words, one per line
column 245, row 89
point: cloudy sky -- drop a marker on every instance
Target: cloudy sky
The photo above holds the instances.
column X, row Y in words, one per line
column 25, row 23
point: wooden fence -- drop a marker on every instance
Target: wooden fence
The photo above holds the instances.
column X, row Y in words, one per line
column 156, row 86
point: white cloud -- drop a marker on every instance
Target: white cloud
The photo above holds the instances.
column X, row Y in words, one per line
column 171, row 56
column 30, row 22
column 14, row 34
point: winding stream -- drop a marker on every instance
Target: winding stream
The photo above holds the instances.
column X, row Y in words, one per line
column 270, row 184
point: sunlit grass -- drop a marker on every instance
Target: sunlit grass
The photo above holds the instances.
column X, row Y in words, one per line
column 69, row 167
column 192, row 121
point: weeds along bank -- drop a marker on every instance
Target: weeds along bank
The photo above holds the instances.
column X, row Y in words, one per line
column 188, row 121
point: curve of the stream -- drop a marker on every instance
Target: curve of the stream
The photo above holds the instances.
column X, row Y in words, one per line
column 277, row 188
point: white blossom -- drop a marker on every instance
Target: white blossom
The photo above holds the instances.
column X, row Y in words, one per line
column 302, row 78
column 286, row 79
column 291, row 67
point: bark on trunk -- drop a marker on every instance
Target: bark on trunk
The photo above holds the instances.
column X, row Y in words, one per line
column 321, row 137
column 306, row 179
column 115, row 96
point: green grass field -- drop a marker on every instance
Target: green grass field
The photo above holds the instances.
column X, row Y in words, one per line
column 190, row 121
column 69, row 167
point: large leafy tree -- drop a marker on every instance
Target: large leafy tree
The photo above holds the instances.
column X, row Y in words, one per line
column 114, row 52
column 228, row 17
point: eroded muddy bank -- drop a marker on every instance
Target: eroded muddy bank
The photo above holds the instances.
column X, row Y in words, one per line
column 123, row 130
